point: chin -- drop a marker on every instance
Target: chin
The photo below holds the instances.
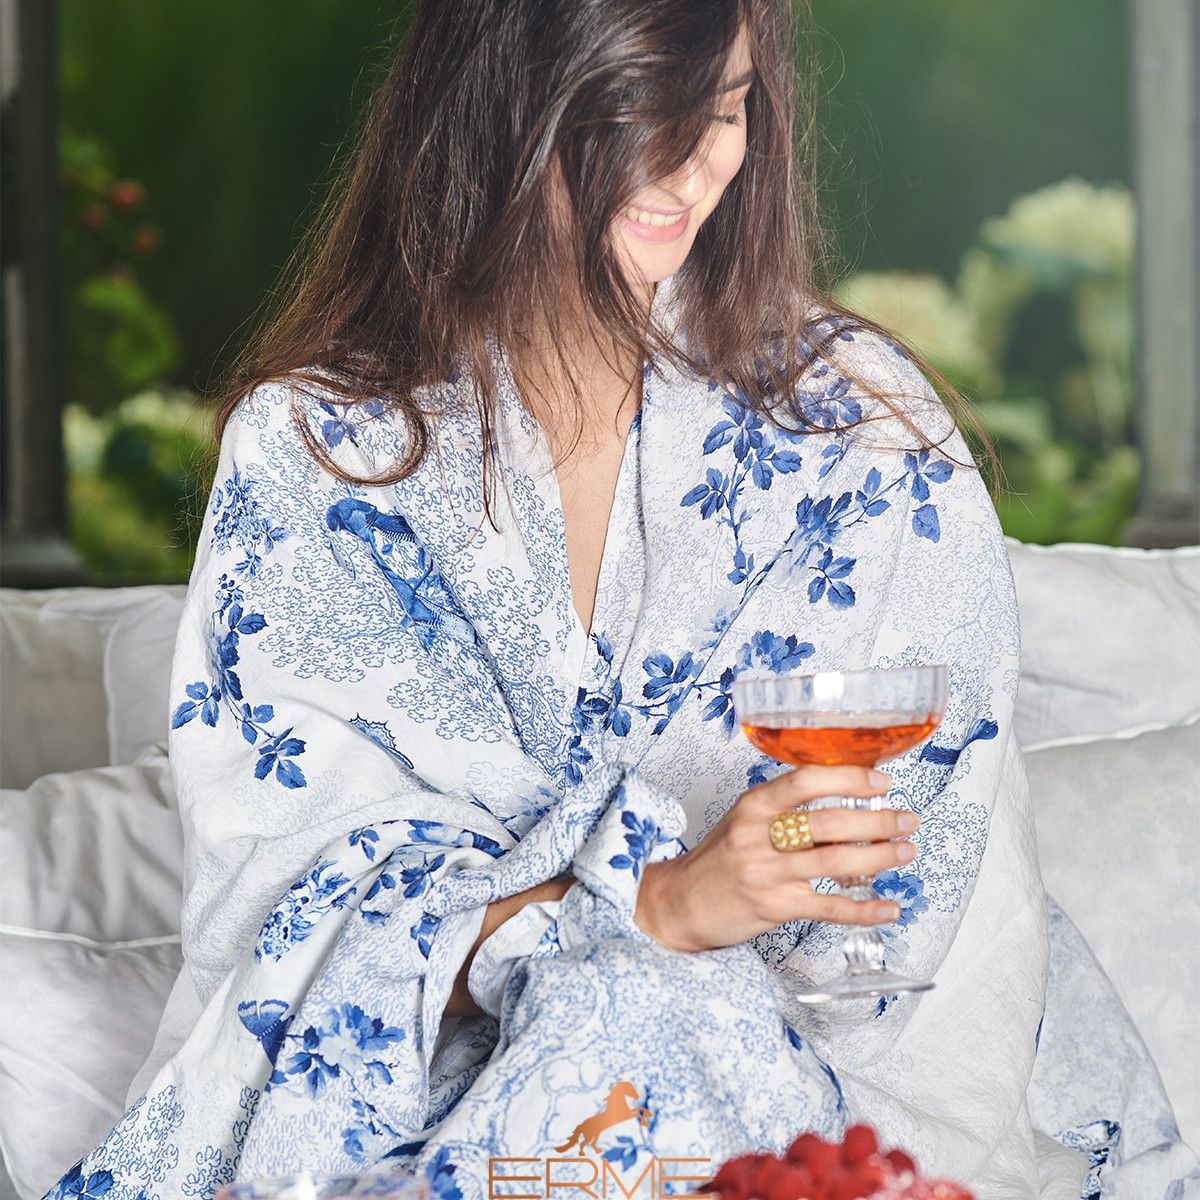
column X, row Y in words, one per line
column 655, row 267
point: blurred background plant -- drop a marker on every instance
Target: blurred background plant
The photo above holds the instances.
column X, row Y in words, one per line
column 121, row 340
column 1037, row 329
column 136, row 484
column 136, row 447
column 999, row 241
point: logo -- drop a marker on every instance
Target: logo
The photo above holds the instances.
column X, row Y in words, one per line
column 618, row 1108
column 622, row 1169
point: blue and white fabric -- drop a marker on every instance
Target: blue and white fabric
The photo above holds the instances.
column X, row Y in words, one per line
column 386, row 714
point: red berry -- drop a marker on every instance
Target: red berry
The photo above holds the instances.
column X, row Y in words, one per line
column 146, row 240
column 735, row 1177
column 792, row 1182
column 842, row 1185
column 901, row 1161
column 766, row 1172
column 823, row 1159
column 126, row 194
column 870, row 1174
column 859, row 1143
column 800, row 1151
column 94, row 218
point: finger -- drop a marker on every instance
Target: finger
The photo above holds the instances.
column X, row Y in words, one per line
column 808, row 782
column 860, row 825
column 841, row 859
column 843, row 911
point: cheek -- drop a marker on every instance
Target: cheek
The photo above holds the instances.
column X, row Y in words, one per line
column 726, row 159
column 730, row 153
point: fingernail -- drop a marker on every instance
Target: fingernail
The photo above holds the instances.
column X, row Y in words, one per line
column 889, row 912
column 908, row 821
column 879, row 778
column 906, row 851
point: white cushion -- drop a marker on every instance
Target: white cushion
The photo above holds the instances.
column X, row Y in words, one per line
column 1110, row 638
column 76, row 1020
column 52, row 703
column 1118, row 823
column 96, row 853
column 92, row 864
column 138, row 625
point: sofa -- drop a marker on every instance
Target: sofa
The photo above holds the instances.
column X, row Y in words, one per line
column 1108, row 717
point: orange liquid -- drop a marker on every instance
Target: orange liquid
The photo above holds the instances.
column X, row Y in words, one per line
column 835, row 738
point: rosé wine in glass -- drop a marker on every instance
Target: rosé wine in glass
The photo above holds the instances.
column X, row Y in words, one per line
column 832, row 718
column 834, row 738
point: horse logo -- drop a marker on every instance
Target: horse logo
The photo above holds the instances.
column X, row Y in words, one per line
column 620, row 1106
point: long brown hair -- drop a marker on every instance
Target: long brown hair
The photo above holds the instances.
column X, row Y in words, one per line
column 434, row 235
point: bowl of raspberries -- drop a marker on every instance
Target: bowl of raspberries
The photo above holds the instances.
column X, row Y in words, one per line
column 813, row 1169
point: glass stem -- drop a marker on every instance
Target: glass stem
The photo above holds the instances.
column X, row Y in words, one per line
column 862, row 945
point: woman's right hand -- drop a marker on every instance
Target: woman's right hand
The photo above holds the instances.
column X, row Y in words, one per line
column 734, row 884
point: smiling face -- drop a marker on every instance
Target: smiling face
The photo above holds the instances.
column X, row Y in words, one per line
column 670, row 211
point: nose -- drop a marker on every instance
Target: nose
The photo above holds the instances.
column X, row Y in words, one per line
column 691, row 184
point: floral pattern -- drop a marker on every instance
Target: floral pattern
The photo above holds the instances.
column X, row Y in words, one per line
column 386, row 716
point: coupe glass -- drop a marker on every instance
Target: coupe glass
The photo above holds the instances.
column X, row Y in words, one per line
column 834, row 717
column 329, row 1187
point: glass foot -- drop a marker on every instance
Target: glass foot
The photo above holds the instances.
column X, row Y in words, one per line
column 865, row 983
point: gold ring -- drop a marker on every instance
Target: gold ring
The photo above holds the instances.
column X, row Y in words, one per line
column 789, row 831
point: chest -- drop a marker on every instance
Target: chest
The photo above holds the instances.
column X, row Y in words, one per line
column 587, row 483
column 587, row 468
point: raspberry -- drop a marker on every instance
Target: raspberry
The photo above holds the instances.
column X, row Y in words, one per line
column 814, row 1169
column 766, row 1173
column 901, row 1161
column 800, row 1151
column 871, row 1175
column 842, row 1185
column 735, row 1178
column 859, row 1143
column 792, row 1182
column 823, row 1159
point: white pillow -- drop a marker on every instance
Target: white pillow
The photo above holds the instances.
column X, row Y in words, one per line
column 138, row 625
column 96, row 853
column 76, row 1020
column 52, row 703
column 1110, row 638
column 1118, row 823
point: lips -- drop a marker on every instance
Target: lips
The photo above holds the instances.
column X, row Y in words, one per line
column 657, row 233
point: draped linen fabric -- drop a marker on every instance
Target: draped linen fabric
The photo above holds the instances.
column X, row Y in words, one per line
column 386, row 714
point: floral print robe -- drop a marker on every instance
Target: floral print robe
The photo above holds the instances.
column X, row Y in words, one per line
column 386, row 714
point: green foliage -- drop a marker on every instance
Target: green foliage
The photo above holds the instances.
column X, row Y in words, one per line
column 138, row 479
column 934, row 115
column 120, row 339
column 135, row 448
column 230, row 113
column 1061, row 423
column 1038, row 330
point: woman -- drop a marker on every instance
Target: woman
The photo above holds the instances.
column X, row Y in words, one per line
column 479, row 875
